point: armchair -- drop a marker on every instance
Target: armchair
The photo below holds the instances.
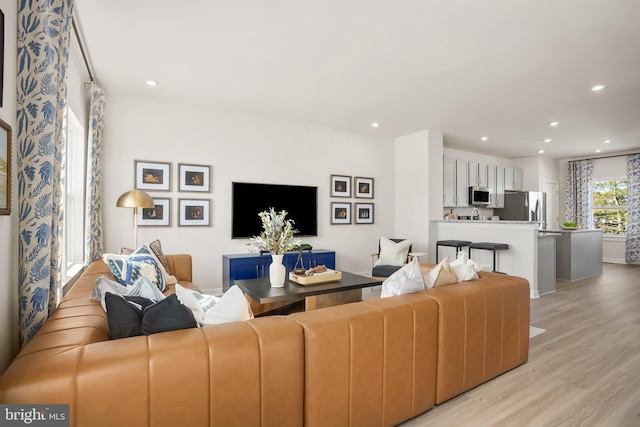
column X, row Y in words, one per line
column 392, row 254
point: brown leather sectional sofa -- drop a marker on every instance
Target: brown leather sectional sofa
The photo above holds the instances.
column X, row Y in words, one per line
column 377, row 362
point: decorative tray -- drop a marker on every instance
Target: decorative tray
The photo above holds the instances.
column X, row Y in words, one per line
column 317, row 278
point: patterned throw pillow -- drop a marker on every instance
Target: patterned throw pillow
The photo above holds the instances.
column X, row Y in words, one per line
column 141, row 263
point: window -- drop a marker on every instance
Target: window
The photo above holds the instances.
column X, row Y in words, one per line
column 610, row 205
column 73, row 253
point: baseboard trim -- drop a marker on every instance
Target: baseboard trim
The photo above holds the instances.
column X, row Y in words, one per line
column 614, row 260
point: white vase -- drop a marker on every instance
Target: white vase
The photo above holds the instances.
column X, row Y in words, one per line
column 277, row 271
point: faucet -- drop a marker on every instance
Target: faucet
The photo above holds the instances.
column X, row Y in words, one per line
column 475, row 210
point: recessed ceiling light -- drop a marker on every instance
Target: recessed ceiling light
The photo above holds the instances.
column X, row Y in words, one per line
column 547, row 140
column 598, row 150
column 554, row 124
column 598, row 87
column 540, row 151
column 484, row 138
column 151, row 83
column 375, row 124
column 607, row 141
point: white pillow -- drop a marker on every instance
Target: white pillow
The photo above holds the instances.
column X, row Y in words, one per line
column 198, row 303
column 464, row 268
column 231, row 307
column 407, row 280
column 392, row 253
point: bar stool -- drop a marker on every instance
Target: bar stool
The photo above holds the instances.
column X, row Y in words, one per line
column 453, row 244
column 489, row 246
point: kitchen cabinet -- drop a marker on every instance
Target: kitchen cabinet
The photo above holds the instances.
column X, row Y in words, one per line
column 496, row 186
column 513, row 179
column 478, row 174
column 456, row 183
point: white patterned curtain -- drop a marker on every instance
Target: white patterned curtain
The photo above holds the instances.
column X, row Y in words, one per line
column 94, row 239
column 578, row 193
column 43, row 53
column 632, row 252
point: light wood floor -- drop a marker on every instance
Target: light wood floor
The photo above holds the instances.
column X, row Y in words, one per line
column 583, row 371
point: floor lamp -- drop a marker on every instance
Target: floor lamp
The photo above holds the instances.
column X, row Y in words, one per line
column 135, row 199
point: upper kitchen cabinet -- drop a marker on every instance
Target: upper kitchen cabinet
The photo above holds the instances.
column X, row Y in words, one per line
column 513, row 179
column 478, row 174
column 456, row 183
column 496, row 186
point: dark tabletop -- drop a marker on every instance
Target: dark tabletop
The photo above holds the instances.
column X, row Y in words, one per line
column 261, row 291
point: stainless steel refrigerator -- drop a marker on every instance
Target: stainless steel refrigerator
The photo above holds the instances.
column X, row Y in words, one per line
column 524, row 206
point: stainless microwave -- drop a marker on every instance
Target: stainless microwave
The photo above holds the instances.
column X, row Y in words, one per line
column 479, row 196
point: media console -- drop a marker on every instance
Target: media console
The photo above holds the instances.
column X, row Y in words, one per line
column 256, row 265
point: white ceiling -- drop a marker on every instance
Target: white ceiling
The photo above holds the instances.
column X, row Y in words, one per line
column 500, row 68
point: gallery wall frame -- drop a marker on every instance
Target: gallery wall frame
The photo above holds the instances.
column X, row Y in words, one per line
column 340, row 186
column 194, row 212
column 5, row 168
column 194, row 178
column 363, row 187
column 340, row 213
column 1, row 57
column 155, row 176
column 158, row 216
column 364, row 213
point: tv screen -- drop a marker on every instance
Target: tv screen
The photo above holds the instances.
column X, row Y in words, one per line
column 249, row 199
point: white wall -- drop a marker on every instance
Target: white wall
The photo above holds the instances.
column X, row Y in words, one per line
column 9, row 223
column 239, row 148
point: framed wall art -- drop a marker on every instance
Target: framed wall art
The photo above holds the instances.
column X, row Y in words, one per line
column 194, row 178
column 340, row 213
column 158, row 216
column 340, row 186
column 154, row 176
column 364, row 187
column 194, row 212
column 5, row 168
column 364, row 213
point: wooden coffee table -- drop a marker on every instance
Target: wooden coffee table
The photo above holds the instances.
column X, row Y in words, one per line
column 294, row 297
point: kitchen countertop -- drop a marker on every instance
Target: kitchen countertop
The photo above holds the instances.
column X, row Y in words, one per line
column 484, row 221
column 572, row 231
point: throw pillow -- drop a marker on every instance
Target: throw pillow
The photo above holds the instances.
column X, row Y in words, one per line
column 156, row 248
column 464, row 267
column 124, row 315
column 166, row 315
column 407, row 280
column 442, row 274
column 126, row 269
column 231, row 307
column 198, row 303
column 392, row 253
column 141, row 288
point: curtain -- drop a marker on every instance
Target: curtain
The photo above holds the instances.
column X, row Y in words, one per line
column 94, row 239
column 578, row 191
column 632, row 252
column 43, row 53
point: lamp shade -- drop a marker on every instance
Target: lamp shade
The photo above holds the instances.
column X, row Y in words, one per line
column 135, row 199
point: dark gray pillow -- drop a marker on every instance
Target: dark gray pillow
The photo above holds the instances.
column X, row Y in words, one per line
column 124, row 317
column 167, row 315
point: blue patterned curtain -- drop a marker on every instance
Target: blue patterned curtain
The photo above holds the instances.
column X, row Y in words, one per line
column 632, row 253
column 578, row 193
column 94, row 239
column 43, row 53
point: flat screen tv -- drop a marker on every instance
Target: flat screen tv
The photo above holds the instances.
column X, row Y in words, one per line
column 249, row 199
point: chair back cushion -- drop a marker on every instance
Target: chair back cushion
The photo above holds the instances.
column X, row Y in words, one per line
column 393, row 252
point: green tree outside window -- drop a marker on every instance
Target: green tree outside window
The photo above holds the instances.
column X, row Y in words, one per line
column 610, row 206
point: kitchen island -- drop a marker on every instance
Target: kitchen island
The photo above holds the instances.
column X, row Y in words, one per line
column 521, row 259
column 578, row 254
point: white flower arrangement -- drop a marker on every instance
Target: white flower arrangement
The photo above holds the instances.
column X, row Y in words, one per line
column 277, row 235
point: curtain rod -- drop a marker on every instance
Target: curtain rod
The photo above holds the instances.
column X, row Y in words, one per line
column 605, row 157
column 83, row 51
